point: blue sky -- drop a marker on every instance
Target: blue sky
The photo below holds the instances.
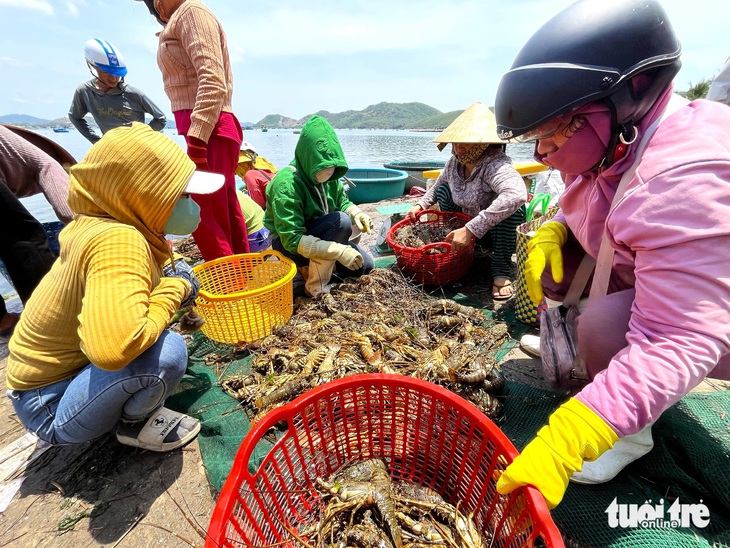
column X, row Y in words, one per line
column 295, row 58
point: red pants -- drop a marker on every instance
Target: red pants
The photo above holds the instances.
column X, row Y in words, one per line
column 222, row 229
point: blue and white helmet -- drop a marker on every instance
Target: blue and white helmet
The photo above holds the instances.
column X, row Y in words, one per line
column 101, row 55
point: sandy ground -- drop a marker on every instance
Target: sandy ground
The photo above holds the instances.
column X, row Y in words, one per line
column 105, row 494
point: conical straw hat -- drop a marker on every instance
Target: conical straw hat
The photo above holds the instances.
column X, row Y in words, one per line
column 476, row 124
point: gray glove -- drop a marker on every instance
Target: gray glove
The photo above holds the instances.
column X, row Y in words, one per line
column 185, row 271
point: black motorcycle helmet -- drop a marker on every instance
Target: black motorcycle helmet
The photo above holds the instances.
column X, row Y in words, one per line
column 590, row 51
column 151, row 6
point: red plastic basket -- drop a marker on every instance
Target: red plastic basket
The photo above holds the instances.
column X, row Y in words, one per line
column 426, row 434
column 426, row 265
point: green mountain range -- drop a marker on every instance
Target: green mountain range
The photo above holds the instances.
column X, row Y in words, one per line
column 32, row 121
column 416, row 116
column 27, row 120
column 380, row 116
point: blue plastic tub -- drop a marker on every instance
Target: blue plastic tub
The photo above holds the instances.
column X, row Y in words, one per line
column 415, row 171
column 373, row 184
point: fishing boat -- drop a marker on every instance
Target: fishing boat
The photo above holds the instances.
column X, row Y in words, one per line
column 60, row 130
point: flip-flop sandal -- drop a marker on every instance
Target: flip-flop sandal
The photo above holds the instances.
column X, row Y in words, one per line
column 497, row 291
column 164, row 430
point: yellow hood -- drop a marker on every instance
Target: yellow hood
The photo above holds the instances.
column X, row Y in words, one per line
column 134, row 175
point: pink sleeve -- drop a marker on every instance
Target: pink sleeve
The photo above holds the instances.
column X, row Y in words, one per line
column 54, row 181
column 678, row 330
column 29, row 170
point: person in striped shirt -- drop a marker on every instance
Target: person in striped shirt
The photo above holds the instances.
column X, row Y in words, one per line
column 196, row 72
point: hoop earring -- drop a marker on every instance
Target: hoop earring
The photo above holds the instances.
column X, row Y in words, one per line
column 633, row 137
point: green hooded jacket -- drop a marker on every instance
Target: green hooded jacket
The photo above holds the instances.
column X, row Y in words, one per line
column 293, row 197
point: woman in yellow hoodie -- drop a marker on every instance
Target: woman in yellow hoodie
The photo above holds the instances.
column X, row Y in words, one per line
column 92, row 351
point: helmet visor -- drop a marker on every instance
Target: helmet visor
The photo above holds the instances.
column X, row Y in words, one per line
column 121, row 72
column 529, row 97
column 546, row 130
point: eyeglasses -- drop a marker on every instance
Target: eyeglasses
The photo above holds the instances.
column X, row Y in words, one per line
column 567, row 125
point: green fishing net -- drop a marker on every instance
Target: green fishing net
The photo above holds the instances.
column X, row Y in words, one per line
column 689, row 463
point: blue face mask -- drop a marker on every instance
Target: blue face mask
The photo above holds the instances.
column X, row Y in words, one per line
column 185, row 217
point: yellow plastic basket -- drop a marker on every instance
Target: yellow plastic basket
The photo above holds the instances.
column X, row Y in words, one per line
column 242, row 297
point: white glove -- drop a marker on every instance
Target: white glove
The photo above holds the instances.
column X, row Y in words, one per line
column 314, row 248
column 350, row 258
column 361, row 220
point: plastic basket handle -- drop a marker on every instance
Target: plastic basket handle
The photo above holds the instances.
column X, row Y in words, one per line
column 426, row 212
column 271, row 253
column 257, row 433
column 239, row 474
column 543, row 199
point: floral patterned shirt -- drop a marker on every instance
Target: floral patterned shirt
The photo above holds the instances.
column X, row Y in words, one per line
column 492, row 192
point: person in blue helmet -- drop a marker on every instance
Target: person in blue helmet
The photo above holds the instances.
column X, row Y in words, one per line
column 111, row 102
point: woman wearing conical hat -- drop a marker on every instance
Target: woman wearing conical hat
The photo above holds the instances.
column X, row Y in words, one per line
column 480, row 180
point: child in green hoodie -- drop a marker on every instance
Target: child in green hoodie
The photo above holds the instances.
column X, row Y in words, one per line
column 309, row 215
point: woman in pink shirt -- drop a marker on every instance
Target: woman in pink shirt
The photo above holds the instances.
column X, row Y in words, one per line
column 197, row 75
column 588, row 88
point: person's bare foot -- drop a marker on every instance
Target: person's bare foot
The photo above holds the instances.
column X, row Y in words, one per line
column 8, row 322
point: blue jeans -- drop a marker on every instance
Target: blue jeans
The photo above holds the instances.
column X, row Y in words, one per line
column 333, row 227
column 86, row 406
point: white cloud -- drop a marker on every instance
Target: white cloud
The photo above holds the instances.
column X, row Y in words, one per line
column 38, row 5
column 12, row 62
column 344, row 29
column 73, row 7
column 295, row 58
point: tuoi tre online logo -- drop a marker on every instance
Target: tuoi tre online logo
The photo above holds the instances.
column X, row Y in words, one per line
column 655, row 516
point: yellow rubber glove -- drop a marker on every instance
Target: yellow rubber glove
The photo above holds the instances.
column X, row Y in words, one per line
column 544, row 248
column 574, row 434
column 360, row 219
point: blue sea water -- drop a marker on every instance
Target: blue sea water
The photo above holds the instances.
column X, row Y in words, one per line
column 362, row 148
